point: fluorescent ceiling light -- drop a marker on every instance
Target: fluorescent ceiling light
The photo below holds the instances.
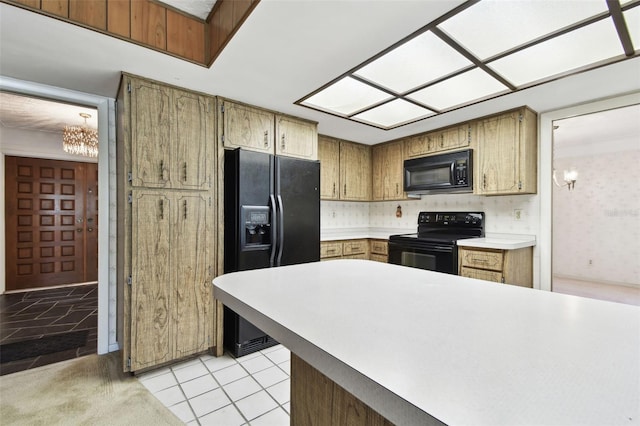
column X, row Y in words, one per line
column 462, row 89
column 573, row 50
column 415, row 63
column 632, row 17
column 481, row 50
column 394, row 113
column 494, row 26
column 346, row 97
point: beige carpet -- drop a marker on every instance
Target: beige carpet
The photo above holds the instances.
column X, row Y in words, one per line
column 91, row 390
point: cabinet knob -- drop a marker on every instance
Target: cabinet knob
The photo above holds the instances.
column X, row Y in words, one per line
column 266, row 138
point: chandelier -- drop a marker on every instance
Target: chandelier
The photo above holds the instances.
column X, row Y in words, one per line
column 80, row 140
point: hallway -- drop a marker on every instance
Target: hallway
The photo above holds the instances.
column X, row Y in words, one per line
column 46, row 326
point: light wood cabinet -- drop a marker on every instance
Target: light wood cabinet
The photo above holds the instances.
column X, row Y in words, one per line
column 455, row 137
column 506, row 159
column 502, row 266
column 379, row 250
column 171, row 133
column 345, row 170
column 296, row 138
column 167, row 229
column 256, row 129
column 329, row 249
column 355, row 171
column 387, row 163
column 344, row 249
column 171, row 294
column 329, row 156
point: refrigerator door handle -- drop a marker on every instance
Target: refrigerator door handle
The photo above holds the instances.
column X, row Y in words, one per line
column 274, row 228
column 280, row 230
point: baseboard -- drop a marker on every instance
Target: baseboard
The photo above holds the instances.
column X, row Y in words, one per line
column 583, row 279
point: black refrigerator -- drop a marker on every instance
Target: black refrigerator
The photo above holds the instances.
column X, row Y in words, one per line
column 272, row 218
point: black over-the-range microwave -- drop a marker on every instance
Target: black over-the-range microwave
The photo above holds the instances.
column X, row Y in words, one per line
column 440, row 173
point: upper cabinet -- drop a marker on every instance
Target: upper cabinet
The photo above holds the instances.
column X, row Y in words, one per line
column 296, row 138
column 355, row 171
column 455, row 137
column 387, row 162
column 256, row 129
column 345, row 170
column 506, row 158
column 329, row 156
column 170, row 135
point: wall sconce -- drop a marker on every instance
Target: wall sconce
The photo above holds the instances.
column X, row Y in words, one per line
column 570, row 177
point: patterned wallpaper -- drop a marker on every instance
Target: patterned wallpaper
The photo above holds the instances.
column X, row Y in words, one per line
column 499, row 212
column 596, row 226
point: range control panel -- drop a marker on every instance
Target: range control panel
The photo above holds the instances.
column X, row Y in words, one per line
column 475, row 219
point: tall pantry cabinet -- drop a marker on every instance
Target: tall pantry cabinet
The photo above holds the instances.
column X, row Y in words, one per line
column 167, row 223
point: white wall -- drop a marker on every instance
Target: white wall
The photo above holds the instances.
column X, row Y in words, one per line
column 28, row 143
column 596, row 235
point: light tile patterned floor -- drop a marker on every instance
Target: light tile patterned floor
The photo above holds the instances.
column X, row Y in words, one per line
column 251, row 390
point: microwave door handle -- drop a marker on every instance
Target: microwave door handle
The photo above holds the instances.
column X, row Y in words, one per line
column 452, row 170
column 274, row 229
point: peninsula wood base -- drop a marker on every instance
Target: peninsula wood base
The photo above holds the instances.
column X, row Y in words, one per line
column 317, row 400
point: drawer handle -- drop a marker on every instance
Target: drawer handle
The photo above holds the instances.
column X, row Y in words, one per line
column 331, row 251
column 266, row 138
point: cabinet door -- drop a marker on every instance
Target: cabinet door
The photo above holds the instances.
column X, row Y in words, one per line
column 194, row 138
column 387, row 162
column 378, row 172
column 151, row 279
column 329, row 156
column 193, row 252
column 499, row 159
column 355, row 171
column 246, row 127
column 296, row 138
column 394, row 166
column 456, row 137
column 420, row 145
column 151, row 134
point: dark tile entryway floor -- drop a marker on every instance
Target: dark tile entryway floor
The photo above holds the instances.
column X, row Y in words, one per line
column 35, row 314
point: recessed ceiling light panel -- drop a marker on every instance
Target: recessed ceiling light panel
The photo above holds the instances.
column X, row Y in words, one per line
column 495, row 26
column 394, row 113
column 415, row 63
column 346, row 96
column 461, row 89
column 632, row 18
column 584, row 46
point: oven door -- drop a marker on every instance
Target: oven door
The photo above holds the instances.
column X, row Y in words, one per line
column 425, row 255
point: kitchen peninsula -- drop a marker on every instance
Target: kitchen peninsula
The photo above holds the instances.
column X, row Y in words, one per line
column 420, row 347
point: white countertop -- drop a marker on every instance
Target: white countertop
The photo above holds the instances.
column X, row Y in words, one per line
column 333, row 234
column 500, row 241
column 417, row 345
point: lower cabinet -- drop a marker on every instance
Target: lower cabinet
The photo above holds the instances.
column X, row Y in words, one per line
column 379, row 250
column 172, row 263
column 501, row 266
column 344, row 249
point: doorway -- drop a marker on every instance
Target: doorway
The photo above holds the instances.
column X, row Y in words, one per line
column 72, row 308
column 595, row 205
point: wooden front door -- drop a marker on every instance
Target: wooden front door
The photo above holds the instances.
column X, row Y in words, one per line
column 51, row 222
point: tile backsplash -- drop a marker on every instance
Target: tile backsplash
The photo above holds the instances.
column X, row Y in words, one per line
column 499, row 211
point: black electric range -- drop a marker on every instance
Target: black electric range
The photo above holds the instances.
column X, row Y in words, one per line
column 434, row 246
